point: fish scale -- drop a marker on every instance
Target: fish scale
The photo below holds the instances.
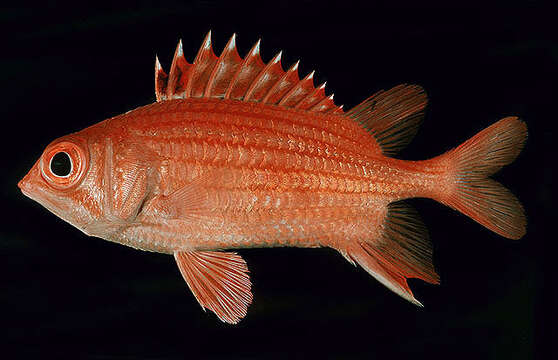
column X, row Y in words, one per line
column 236, row 153
column 206, row 136
column 317, row 132
column 197, row 126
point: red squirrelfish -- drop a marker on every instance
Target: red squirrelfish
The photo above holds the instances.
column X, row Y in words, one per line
column 236, row 153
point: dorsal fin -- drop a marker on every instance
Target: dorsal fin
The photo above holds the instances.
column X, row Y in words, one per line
column 299, row 91
column 265, row 80
column 246, row 73
column 161, row 81
column 392, row 116
column 314, row 96
column 227, row 64
column 203, row 67
column 324, row 105
column 283, row 85
column 179, row 73
column 231, row 77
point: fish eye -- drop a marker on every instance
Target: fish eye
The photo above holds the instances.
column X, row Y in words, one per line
column 61, row 164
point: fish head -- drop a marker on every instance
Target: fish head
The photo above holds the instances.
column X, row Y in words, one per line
column 62, row 181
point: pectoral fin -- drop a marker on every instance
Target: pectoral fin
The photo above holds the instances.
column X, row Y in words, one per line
column 196, row 200
column 219, row 281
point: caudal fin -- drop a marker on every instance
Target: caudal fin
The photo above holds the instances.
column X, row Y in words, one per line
column 471, row 192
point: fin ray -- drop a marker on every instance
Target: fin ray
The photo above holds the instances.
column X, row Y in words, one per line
column 392, row 116
column 265, row 80
column 469, row 189
column 202, row 68
column 219, row 281
column 161, row 81
column 246, row 73
column 312, row 98
column 401, row 251
column 324, row 105
column 178, row 75
column 299, row 91
column 283, row 85
column 224, row 70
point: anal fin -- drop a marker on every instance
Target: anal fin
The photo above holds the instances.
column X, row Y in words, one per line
column 402, row 251
column 219, row 281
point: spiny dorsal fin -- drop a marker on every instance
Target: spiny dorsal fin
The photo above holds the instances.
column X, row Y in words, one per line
column 179, row 73
column 283, row 85
column 392, row 116
column 161, row 81
column 265, row 79
column 228, row 63
column 245, row 75
column 231, row 77
column 203, row 67
column 310, row 99
column 299, row 91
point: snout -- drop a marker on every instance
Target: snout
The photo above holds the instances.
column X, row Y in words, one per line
column 26, row 184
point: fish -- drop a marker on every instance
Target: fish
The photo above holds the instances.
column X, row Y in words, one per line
column 237, row 153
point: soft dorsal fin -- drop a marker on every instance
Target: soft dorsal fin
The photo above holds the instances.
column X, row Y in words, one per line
column 219, row 281
column 392, row 116
column 231, row 77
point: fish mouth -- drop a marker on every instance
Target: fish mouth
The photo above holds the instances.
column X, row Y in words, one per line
column 26, row 184
column 43, row 196
column 32, row 191
column 25, row 188
column 26, row 193
column 29, row 190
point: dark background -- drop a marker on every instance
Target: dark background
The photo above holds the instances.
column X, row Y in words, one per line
column 64, row 295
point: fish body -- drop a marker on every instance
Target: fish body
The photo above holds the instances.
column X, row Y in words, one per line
column 237, row 154
column 286, row 177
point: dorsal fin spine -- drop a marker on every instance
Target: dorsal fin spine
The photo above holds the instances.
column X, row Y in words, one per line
column 178, row 74
column 171, row 84
column 229, row 48
column 336, row 110
column 312, row 98
column 323, row 105
column 276, row 59
column 188, row 92
column 161, row 81
column 252, row 56
column 205, row 52
column 292, row 70
column 298, row 86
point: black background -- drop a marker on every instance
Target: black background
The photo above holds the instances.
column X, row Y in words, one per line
column 64, row 295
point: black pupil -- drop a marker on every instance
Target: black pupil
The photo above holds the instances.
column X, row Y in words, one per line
column 61, row 165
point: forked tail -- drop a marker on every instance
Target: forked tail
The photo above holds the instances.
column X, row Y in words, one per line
column 469, row 188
